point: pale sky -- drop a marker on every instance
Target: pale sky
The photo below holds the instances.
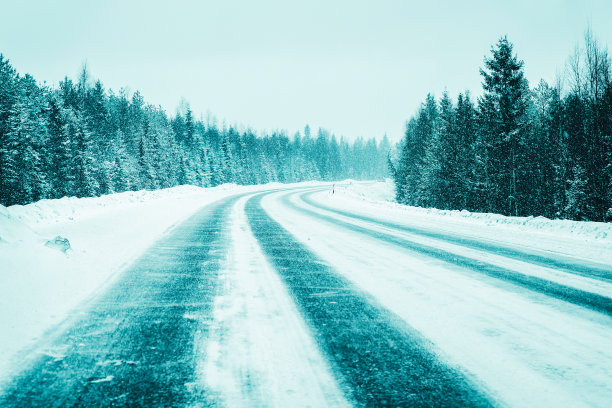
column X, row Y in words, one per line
column 357, row 68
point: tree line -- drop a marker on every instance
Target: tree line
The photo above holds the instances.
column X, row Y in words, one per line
column 79, row 139
column 516, row 150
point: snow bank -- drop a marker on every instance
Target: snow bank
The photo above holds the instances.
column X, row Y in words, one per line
column 371, row 191
column 377, row 198
column 48, row 212
column 14, row 230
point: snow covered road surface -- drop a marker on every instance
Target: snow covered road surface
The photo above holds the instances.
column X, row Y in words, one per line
column 298, row 297
column 380, row 360
column 260, row 352
column 40, row 285
column 139, row 335
column 552, row 274
column 524, row 347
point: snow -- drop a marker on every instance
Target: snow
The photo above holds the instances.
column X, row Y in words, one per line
column 594, row 239
column 258, row 337
column 525, row 349
column 564, row 278
column 108, row 378
column 39, row 285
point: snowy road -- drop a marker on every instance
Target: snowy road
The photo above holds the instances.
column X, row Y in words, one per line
column 290, row 298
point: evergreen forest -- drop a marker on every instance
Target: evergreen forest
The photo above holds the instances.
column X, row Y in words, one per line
column 516, row 150
column 80, row 139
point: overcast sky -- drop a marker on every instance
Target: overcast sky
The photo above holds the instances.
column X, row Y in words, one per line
column 357, row 68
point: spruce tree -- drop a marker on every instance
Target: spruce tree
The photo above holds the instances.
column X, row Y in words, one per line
column 8, row 97
column 60, row 151
column 465, row 127
column 505, row 92
column 448, row 175
column 85, row 183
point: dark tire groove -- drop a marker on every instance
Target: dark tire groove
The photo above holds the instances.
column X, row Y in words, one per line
column 134, row 345
column 378, row 359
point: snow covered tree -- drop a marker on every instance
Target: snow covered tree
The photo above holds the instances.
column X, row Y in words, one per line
column 505, row 97
column 577, row 206
column 85, row 184
column 60, row 150
column 448, row 176
column 8, row 97
column 81, row 139
column 465, row 127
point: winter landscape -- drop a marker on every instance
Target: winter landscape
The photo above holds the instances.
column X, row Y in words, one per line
column 342, row 234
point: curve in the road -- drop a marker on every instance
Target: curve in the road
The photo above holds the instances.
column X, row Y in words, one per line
column 378, row 358
column 134, row 346
column 575, row 296
column 586, row 269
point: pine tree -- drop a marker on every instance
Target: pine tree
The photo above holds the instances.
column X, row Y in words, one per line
column 27, row 181
column 381, row 167
column 147, row 180
column 60, row 151
column 506, row 89
column 577, row 207
column 321, row 150
column 10, row 150
column 465, row 126
column 85, row 184
column 449, row 157
column 334, row 159
column 8, row 97
column 418, row 141
column 26, row 138
column 189, row 128
column 227, row 165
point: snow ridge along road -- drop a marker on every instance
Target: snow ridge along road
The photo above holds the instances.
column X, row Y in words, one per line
column 285, row 298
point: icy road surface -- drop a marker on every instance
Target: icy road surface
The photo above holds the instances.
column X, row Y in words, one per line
column 292, row 297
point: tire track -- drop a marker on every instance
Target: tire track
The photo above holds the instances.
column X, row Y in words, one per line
column 592, row 301
column 592, row 270
column 134, row 345
column 261, row 352
column 379, row 360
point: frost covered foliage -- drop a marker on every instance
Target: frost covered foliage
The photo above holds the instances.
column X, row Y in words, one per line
column 516, row 150
column 82, row 140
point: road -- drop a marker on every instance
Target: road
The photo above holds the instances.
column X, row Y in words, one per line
column 285, row 298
